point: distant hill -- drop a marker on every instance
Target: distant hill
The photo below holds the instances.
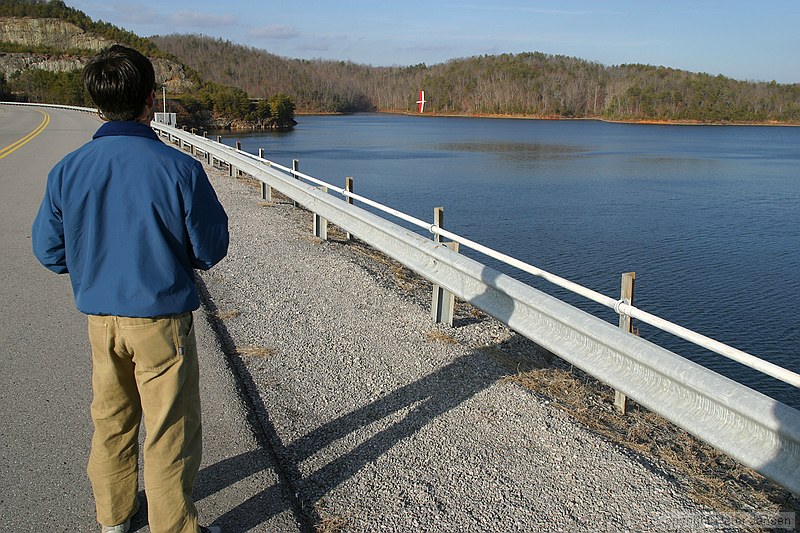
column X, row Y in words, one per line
column 315, row 86
column 531, row 84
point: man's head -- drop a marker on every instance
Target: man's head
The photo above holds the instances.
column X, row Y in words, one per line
column 121, row 81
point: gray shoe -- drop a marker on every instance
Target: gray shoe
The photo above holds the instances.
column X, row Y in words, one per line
column 119, row 528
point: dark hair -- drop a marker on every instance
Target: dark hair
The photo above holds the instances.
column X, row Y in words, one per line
column 119, row 79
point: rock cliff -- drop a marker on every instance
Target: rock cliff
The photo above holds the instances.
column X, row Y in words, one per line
column 53, row 33
column 71, row 46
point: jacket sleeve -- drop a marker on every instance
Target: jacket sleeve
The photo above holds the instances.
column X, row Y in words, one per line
column 47, row 233
column 206, row 221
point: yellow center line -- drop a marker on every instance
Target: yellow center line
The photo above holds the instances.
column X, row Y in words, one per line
column 20, row 143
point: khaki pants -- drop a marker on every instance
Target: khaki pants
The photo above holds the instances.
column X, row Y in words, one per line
column 145, row 366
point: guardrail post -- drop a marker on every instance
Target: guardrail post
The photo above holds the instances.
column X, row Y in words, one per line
column 235, row 171
column 442, row 301
column 232, row 171
column 320, row 223
column 626, row 325
column 438, row 219
column 295, row 168
column 348, row 186
column 266, row 190
column 214, row 161
column 208, row 154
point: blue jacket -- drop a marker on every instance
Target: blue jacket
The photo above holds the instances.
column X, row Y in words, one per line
column 129, row 218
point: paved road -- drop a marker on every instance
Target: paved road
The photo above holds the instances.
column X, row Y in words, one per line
column 45, row 393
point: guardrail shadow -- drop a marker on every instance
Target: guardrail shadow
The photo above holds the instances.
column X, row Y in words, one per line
column 412, row 407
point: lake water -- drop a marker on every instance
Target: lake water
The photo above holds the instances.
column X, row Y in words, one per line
column 707, row 216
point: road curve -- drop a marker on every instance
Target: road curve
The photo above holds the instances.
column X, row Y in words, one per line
column 45, row 382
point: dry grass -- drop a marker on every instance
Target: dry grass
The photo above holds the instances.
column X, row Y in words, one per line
column 471, row 310
column 514, row 362
column 249, row 181
column 710, row 477
column 256, row 351
column 437, row 335
column 278, row 196
column 226, row 314
column 406, row 280
column 329, row 523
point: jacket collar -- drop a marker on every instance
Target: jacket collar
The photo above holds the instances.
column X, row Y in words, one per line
column 125, row 127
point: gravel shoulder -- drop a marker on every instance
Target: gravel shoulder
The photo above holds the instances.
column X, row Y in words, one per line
column 383, row 420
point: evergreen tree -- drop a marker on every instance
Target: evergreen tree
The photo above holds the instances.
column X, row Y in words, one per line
column 282, row 110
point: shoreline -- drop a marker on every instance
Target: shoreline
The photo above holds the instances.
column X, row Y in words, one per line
column 645, row 122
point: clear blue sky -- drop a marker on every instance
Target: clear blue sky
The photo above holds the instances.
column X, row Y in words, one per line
column 742, row 39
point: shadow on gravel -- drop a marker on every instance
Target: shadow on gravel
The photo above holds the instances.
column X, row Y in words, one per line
column 256, row 510
column 413, row 406
column 275, row 499
column 428, row 398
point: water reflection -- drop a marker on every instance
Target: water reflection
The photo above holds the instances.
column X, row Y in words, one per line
column 517, row 151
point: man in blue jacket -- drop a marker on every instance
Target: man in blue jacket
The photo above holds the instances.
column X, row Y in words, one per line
column 129, row 218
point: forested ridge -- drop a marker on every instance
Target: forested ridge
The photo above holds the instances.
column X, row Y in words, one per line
column 231, row 82
column 529, row 84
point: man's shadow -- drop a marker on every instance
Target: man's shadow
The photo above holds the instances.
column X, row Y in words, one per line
column 427, row 398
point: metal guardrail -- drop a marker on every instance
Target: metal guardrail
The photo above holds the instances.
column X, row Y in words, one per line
column 54, row 106
column 758, row 431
